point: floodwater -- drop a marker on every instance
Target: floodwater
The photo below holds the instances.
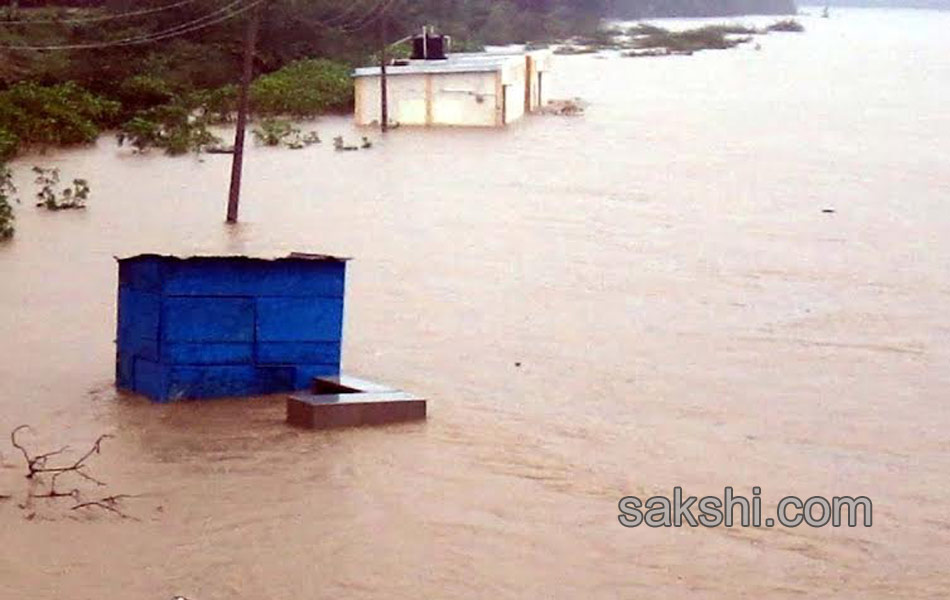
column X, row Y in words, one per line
column 683, row 311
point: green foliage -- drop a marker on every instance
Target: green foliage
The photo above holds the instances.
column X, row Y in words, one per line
column 7, row 190
column 276, row 132
column 8, row 145
column 341, row 146
column 272, row 132
column 661, row 42
column 172, row 127
column 54, row 115
column 141, row 92
column 303, row 89
column 299, row 141
column 216, row 105
column 71, row 198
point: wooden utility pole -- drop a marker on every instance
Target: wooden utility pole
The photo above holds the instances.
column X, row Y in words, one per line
column 247, row 75
column 384, row 89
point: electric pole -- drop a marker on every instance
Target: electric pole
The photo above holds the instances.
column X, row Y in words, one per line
column 384, row 89
column 247, row 75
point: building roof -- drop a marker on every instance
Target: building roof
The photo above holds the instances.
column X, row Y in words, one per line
column 468, row 62
column 292, row 256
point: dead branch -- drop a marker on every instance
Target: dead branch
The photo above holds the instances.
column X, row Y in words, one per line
column 110, row 504
column 52, row 493
column 39, row 465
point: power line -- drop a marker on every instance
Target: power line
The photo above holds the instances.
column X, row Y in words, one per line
column 342, row 17
column 100, row 18
column 206, row 21
column 178, row 30
column 354, row 25
column 381, row 9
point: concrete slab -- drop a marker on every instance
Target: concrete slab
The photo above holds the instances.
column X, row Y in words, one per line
column 342, row 401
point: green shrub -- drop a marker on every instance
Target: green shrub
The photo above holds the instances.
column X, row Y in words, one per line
column 217, row 105
column 172, row 127
column 710, row 37
column 54, row 115
column 274, row 131
column 303, row 89
column 277, row 132
column 8, row 145
column 71, row 198
column 141, row 92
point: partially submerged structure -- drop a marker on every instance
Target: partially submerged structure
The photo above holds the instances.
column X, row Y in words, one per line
column 213, row 326
column 435, row 87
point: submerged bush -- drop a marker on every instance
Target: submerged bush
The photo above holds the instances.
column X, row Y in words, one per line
column 54, row 115
column 141, row 92
column 172, row 127
column 6, row 208
column 70, row 198
column 711, row 37
column 217, row 105
column 787, row 25
column 276, row 132
column 303, row 89
column 8, row 145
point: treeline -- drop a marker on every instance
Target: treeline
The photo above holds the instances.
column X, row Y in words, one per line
column 153, row 91
column 646, row 9
column 167, row 92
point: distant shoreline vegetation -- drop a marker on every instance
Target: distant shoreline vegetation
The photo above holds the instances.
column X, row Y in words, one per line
column 647, row 40
column 167, row 95
column 651, row 9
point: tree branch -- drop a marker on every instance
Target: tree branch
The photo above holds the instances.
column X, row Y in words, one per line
column 38, row 465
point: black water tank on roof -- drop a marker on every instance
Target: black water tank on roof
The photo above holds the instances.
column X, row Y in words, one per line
column 438, row 47
column 430, row 47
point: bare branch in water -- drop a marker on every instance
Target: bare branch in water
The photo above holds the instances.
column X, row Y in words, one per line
column 39, row 465
column 110, row 504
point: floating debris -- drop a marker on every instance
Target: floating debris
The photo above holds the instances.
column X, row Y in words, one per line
column 340, row 146
column 220, row 150
column 565, row 108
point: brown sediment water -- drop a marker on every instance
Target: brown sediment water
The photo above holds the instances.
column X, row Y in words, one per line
column 683, row 311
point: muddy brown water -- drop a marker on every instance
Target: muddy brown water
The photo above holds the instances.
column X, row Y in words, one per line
column 683, row 310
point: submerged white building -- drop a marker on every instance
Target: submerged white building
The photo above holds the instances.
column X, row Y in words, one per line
column 488, row 89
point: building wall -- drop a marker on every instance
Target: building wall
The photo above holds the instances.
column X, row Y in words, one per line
column 513, row 79
column 477, row 99
column 538, row 79
column 464, row 99
column 467, row 99
column 215, row 327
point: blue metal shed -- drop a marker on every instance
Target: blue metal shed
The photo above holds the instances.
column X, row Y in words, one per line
column 216, row 326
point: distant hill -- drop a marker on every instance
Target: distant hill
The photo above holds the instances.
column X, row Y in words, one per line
column 937, row 4
column 640, row 9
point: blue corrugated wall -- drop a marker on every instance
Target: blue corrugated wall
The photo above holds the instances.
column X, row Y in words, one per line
column 213, row 327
